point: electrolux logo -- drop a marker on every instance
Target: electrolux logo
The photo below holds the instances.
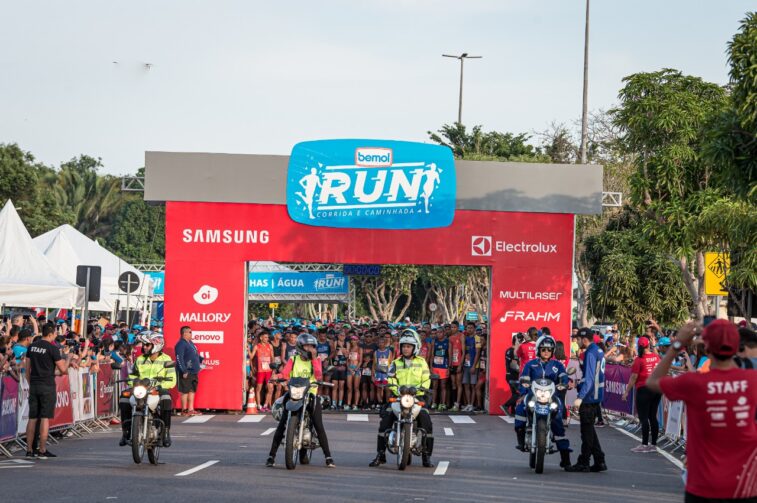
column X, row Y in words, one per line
column 371, row 184
column 481, row 246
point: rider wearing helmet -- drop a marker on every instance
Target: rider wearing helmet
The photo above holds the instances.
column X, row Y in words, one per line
column 407, row 370
column 304, row 363
column 150, row 365
column 543, row 367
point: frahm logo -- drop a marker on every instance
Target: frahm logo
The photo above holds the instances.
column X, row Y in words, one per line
column 373, row 157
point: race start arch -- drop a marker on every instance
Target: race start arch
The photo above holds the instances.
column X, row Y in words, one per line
column 224, row 210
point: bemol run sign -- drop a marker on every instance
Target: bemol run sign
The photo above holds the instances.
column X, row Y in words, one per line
column 371, row 184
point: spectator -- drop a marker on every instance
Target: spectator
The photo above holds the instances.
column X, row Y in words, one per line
column 647, row 401
column 20, row 348
column 513, row 374
column 721, row 404
column 527, row 350
column 188, row 368
column 747, row 358
column 44, row 358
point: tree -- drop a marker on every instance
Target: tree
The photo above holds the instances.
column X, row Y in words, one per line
column 480, row 145
column 383, row 293
column 139, row 232
column 22, row 180
column 662, row 116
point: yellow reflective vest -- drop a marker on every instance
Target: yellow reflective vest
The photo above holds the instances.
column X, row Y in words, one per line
column 145, row 368
column 413, row 373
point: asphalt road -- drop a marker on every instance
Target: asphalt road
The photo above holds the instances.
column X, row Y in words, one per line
column 482, row 466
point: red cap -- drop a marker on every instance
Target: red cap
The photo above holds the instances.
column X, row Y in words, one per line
column 643, row 342
column 597, row 338
column 721, row 337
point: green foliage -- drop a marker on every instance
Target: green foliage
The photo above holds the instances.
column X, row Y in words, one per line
column 139, row 232
column 478, row 145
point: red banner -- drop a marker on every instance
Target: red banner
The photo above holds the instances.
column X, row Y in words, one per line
column 105, row 390
column 207, row 244
column 64, row 412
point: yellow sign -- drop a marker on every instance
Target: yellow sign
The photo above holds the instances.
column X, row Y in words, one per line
column 273, row 305
column 716, row 268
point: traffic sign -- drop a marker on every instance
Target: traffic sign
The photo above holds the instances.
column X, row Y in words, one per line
column 716, row 269
column 128, row 282
column 273, row 305
column 432, row 307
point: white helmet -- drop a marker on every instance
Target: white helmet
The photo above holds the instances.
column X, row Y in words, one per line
column 545, row 341
column 154, row 338
column 410, row 336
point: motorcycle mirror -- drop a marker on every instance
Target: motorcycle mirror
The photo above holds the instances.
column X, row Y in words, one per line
column 571, row 371
column 169, row 365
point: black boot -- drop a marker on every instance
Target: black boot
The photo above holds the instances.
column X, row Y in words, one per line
column 521, row 433
column 270, row 462
column 379, row 460
column 565, row 459
column 167, row 438
column 427, row 461
column 124, row 437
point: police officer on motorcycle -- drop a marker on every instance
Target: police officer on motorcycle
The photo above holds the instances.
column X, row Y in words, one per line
column 407, row 370
column 303, row 364
column 150, row 365
column 543, row 367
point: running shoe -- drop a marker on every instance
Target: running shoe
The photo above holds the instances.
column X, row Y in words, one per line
column 455, row 408
column 651, row 448
column 46, row 455
column 640, row 448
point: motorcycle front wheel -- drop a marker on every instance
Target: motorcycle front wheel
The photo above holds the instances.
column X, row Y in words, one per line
column 403, row 453
column 137, row 439
column 290, row 452
column 541, row 443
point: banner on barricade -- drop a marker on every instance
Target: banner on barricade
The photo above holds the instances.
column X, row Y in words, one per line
column 64, row 413
column 616, row 381
column 73, row 383
column 105, row 389
column 86, row 397
column 673, row 423
column 9, row 409
column 23, row 406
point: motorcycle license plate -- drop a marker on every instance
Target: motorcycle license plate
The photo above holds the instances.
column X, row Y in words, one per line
column 542, row 410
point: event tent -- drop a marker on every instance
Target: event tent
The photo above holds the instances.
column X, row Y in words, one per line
column 66, row 248
column 27, row 279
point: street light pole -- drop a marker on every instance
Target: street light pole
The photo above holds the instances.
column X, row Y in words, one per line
column 585, row 109
column 462, row 59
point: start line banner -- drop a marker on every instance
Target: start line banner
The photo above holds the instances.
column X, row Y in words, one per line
column 293, row 283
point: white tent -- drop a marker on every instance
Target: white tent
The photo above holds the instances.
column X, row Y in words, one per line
column 26, row 277
column 65, row 248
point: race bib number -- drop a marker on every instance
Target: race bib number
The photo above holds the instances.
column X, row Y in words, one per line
column 383, row 362
column 265, row 364
column 322, row 356
column 482, row 364
column 467, row 361
column 277, row 359
column 455, row 357
column 438, row 360
column 367, row 372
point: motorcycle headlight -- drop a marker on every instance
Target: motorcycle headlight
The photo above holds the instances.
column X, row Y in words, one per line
column 139, row 392
column 296, row 393
column 543, row 395
column 407, row 401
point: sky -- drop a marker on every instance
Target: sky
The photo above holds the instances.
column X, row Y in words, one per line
column 257, row 77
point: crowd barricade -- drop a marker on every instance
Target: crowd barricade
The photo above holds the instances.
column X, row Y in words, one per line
column 85, row 401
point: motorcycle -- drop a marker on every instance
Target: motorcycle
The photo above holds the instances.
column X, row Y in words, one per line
column 301, row 438
column 146, row 425
column 406, row 438
column 542, row 407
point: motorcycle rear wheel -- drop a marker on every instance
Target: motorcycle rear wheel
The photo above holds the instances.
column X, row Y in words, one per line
column 137, row 440
column 291, row 454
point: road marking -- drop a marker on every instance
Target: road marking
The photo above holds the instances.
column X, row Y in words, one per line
column 448, row 432
column 197, row 468
column 462, row 419
column 199, row 419
column 251, row 419
column 268, row 431
column 7, row 467
column 666, row 455
column 441, row 468
column 507, row 419
column 357, row 417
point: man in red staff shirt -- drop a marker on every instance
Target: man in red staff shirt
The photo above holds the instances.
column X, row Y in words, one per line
column 527, row 351
column 721, row 431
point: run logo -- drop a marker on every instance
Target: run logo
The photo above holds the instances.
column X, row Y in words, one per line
column 371, row 184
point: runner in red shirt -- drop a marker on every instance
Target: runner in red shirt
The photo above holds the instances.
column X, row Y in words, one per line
column 456, row 352
column 527, row 351
column 647, row 401
column 721, row 432
column 264, row 353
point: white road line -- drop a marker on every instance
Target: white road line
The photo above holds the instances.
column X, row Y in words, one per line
column 197, row 468
column 199, row 419
column 462, row 419
column 448, row 432
column 666, row 455
column 441, row 468
column 268, row 431
column 250, row 419
column 10, row 467
column 357, row 417
column 507, row 419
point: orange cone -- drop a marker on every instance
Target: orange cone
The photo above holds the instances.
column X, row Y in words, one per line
column 252, row 407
